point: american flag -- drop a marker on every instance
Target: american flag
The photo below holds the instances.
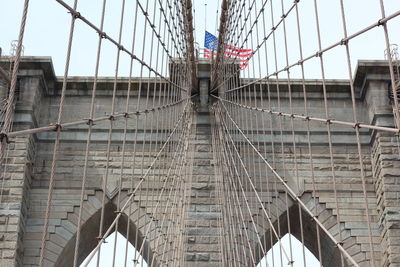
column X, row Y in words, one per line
column 211, row 44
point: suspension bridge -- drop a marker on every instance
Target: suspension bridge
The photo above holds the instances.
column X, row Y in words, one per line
column 203, row 161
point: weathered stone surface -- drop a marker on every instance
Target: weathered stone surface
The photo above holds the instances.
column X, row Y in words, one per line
column 26, row 179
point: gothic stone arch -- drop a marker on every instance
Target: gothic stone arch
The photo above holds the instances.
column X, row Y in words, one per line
column 60, row 243
column 26, row 185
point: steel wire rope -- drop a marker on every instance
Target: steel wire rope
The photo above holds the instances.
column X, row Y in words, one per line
column 280, row 124
column 234, row 20
column 153, row 27
column 318, row 119
column 57, row 138
column 253, row 129
column 226, row 223
column 159, row 200
column 241, row 116
column 8, row 114
column 252, row 184
column 328, row 126
column 110, row 135
column 241, row 28
column 172, row 92
column 226, row 246
column 293, row 134
column 189, row 72
column 219, row 196
column 105, row 36
column 292, row 193
column 132, row 194
column 242, row 145
column 142, row 244
column 233, row 25
column 264, row 133
column 239, row 204
column 319, row 52
column 140, row 88
column 171, row 215
column 271, row 133
column 145, row 122
column 392, row 64
column 311, row 162
column 173, row 144
column 162, row 132
column 6, row 105
column 255, row 103
column 248, row 206
column 4, row 164
column 226, row 130
column 152, row 217
column 119, row 183
column 10, row 102
column 176, row 151
column 88, row 140
column 357, row 130
column 131, row 65
column 383, row 22
column 246, row 38
column 167, row 92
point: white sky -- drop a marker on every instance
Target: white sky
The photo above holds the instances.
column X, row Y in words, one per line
column 47, row 32
column 272, row 256
column 107, row 252
column 48, row 26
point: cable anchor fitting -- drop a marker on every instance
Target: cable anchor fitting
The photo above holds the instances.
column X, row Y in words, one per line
column 90, row 122
column 102, row 35
column 75, row 14
column 339, row 244
column 102, row 238
column 4, row 136
column 57, row 127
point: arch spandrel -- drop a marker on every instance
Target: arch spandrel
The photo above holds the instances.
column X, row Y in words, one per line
column 64, row 254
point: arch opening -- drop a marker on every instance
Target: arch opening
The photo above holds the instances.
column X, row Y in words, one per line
column 88, row 241
column 274, row 256
column 331, row 256
column 125, row 253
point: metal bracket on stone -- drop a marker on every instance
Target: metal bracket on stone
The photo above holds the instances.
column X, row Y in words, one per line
column 4, row 75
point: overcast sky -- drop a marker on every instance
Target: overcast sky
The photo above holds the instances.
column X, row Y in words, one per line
column 47, row 32
column 48, row 26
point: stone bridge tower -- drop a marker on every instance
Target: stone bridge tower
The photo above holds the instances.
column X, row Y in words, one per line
column 25, row 178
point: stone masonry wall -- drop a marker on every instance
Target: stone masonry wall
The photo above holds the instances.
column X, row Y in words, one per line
column 18, row 172
column 24, row 190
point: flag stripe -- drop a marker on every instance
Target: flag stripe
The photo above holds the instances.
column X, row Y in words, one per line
column 243, row 55
column 247, row 55
column 237, row 49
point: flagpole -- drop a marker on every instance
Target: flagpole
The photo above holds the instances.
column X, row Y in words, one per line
column 205, row 21
column 216, row 18
column 205, row 16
